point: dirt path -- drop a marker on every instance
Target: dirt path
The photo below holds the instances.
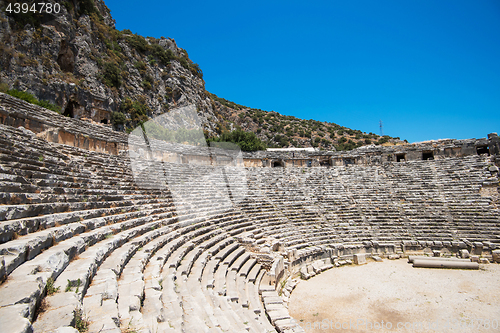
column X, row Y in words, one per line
column 391, row 296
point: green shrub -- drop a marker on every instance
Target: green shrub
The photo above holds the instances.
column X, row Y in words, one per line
column 79, row 321
column 146, row 85
column 247, row 141
column 196, row 70
column 140, row 65
column 193, row 137
column 86, row 7
column 163, row 55
column 118, row 118
column 50, row 106
column 383, row 140
column 112, row 75
column 229, row 104
column 281, row 140
column 25, row 96
column 138, row 42
column 148, row 82
column 4, row 87
column 138, row 111
column 156, row 131
column 68, row 5
column 50, row 287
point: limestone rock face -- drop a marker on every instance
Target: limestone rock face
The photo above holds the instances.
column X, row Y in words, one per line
column 81, row 63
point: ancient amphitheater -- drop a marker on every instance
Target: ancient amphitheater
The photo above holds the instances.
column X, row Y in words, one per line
column 83, row 244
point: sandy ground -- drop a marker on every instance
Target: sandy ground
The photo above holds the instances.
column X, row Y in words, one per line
column 391, row 296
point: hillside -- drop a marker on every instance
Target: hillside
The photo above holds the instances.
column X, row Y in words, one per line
column 278, row 130
column 77, row 61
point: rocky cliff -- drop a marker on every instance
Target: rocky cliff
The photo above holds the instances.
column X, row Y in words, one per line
column 77, row 60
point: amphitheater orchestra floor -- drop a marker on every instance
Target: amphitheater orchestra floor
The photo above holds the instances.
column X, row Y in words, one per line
column 391, row 296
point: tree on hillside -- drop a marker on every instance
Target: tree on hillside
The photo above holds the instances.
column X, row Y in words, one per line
column 247, row 141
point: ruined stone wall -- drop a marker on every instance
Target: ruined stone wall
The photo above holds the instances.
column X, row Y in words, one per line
column 370, row 155
column 56, row 128
column 102, row 138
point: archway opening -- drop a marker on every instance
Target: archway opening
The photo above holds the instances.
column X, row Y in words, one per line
column 277, row 164
column 400, row 157
column 70, row 109
column 482, row 150
column 427, row 155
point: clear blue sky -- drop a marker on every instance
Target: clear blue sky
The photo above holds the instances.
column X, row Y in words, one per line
column 427, row 69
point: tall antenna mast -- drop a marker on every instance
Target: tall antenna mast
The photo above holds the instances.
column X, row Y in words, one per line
column 381, row 129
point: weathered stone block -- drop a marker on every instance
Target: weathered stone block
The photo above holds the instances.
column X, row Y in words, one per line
column 496, row 256
column 360, row 258
column 13, row 319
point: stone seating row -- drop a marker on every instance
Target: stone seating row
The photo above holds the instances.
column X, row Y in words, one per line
column 99, row 244
column 176, row 250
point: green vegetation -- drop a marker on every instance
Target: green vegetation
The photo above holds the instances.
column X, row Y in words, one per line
column 137, row 110
column 112, row 75
column 278, row 130
column 25, row 96
column 118, row 118
column 148, row 82
column 225, row 102
column 383, row 140
column 138, row 42
column 50, row 287
column 184, row 136
column 70, row 285
column 247, row 141
column 156, row 52
column 86, row 7
column 79, row 321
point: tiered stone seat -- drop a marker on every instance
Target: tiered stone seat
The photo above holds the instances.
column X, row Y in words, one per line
column 40, row 255
column 187, row 258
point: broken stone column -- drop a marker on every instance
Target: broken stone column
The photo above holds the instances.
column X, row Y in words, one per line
column 411, row 259
column 445, row 264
